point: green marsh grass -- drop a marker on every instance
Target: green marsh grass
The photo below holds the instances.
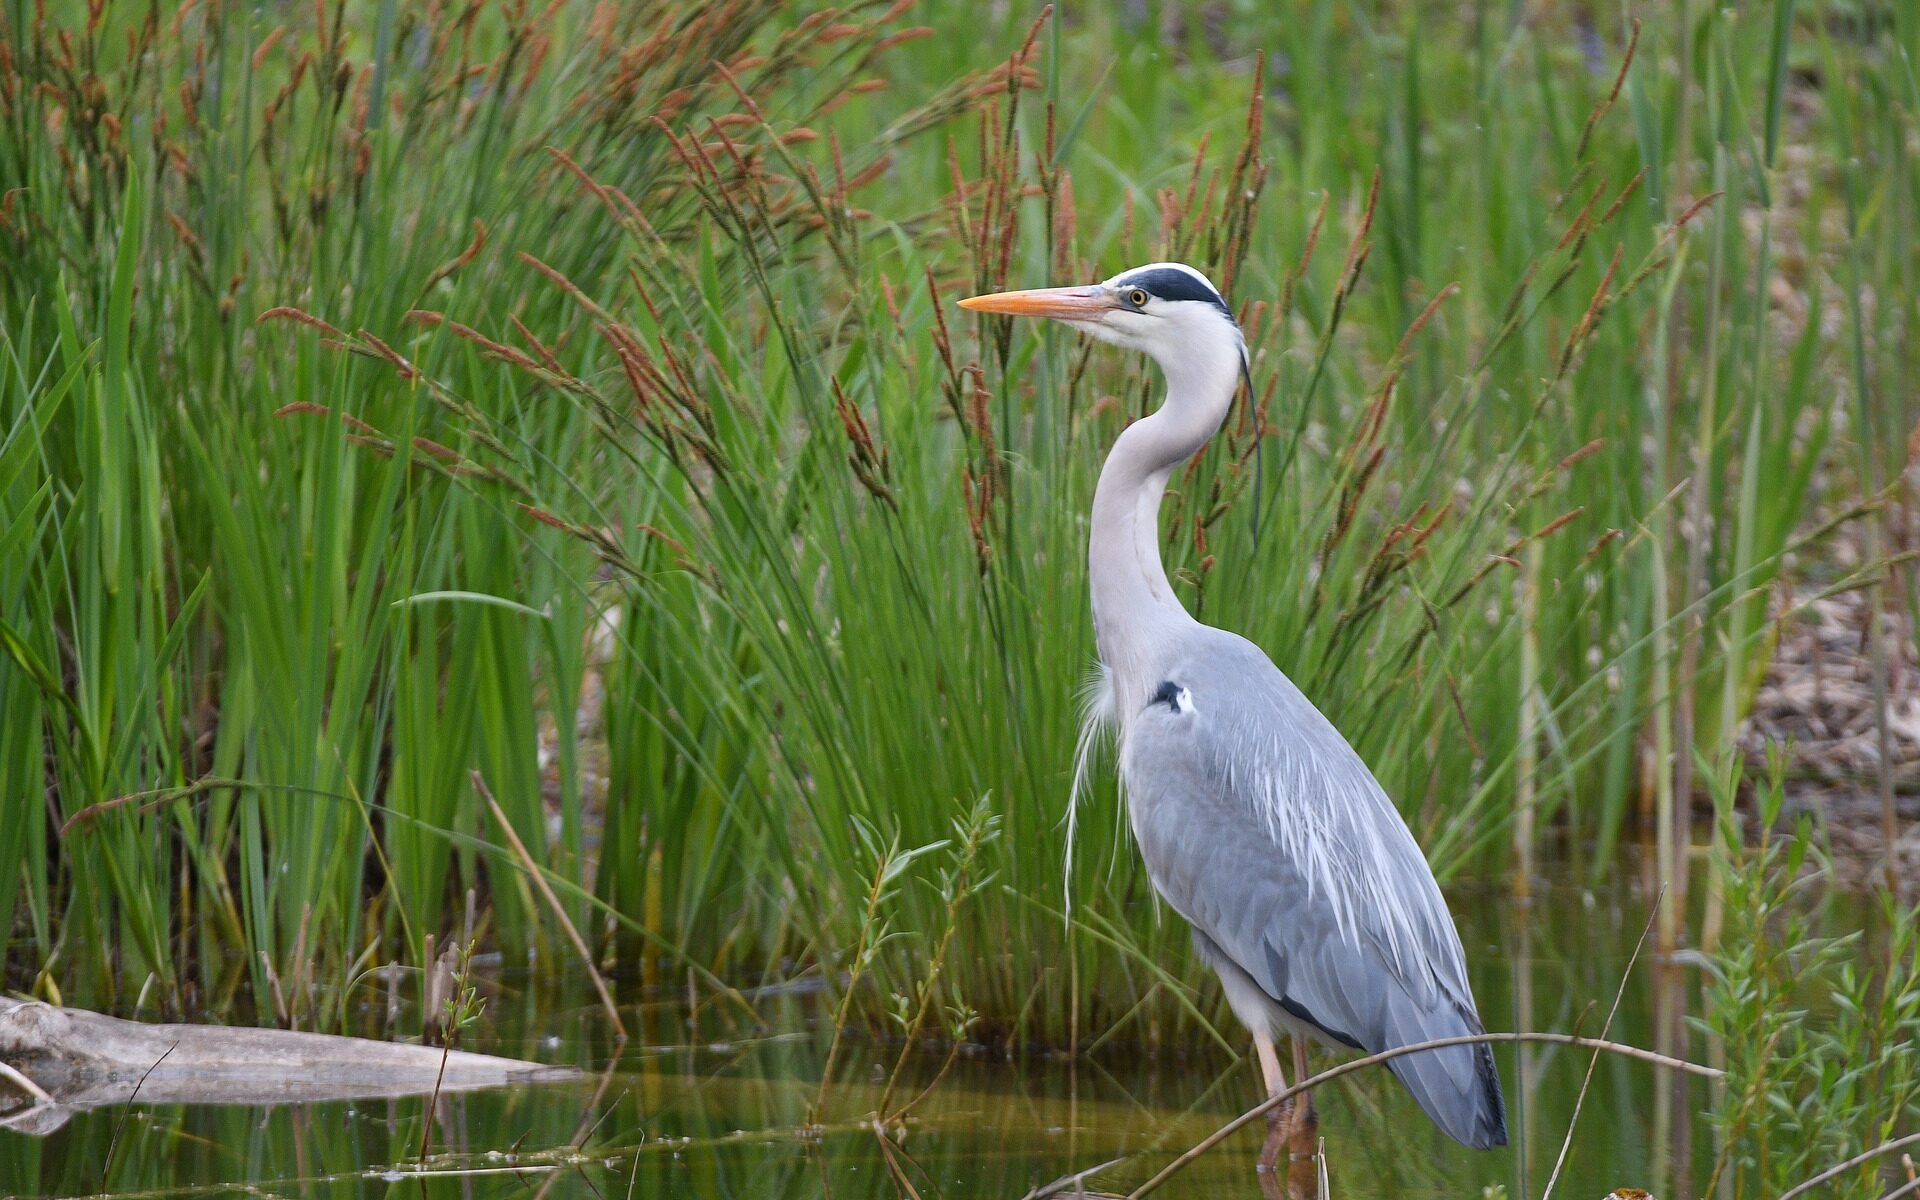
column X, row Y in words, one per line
column 357, row 369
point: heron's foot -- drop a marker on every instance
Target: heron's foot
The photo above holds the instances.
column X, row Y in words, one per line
column 1289, row 1168
column 1303, row 1125
column 1273, row 1151
column 1297, row 1123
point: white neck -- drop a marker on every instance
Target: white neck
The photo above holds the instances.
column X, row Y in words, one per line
column 1135, row 612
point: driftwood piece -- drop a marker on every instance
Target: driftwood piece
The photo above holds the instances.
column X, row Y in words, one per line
column 84, row 1060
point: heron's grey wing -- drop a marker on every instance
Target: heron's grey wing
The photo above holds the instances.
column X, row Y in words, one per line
column 1264, row 829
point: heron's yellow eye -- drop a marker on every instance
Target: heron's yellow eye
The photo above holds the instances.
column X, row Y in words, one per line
column 1137, row 297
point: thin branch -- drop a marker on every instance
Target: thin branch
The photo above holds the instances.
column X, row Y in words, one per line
column 1862, row 1157
column 113, row 1143
column 433, row 1101
column 1566, row 1143
column 886, row 1151
column 1274, row 1101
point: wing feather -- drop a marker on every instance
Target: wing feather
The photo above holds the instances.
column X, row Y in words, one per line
column 1261, row 826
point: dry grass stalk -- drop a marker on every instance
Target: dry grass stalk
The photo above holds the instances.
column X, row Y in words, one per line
column 539, row 878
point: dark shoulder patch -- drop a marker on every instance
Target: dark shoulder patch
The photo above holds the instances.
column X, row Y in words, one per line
column 1172, row 695
column 1169, row 283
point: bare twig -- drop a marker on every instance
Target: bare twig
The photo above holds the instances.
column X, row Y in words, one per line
column 553, row 902
column 1863, row 1157
column 1278, row 1098
column 893, row 1165
column 113, row 1143
column 433, row 1101
column 1586, row 1081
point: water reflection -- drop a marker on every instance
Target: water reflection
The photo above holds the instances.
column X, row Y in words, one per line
column 727, row 1120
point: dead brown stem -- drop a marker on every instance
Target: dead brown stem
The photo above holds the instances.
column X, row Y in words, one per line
column 553, row 902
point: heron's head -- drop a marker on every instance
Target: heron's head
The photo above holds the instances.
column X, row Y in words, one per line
column 1168, row 310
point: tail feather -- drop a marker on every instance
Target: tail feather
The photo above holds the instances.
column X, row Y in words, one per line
column 1458, row 1086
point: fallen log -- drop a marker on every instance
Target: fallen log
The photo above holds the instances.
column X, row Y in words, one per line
column 80, row 1060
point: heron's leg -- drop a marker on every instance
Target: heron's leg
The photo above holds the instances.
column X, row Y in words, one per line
column 1276, row 1083
column 1274, row 1150
column 1300, row 1073
column 1303, row 1127
column 1287, row 1168
column 1269, row 1064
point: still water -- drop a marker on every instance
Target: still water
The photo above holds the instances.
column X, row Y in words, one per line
column 673, row 1115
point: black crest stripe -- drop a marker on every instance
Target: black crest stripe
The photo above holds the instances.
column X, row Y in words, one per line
column 1170, row 284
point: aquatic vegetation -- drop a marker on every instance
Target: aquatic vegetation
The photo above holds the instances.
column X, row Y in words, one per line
column 1820, row 1032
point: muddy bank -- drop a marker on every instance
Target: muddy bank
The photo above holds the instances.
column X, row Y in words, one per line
column 1818, row 700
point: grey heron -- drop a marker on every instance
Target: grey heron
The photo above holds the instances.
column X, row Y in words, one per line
column 1259, row 824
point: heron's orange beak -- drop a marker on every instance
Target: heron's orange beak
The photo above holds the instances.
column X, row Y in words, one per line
column 1062, row 304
